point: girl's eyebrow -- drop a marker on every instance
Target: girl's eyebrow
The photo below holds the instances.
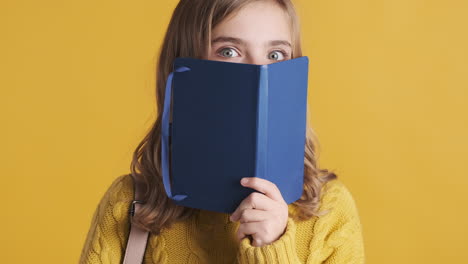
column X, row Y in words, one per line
column 228, row 39
column 280, row 42
column 240, row 41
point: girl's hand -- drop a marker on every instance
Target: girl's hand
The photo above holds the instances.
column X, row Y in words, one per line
column 263, row 215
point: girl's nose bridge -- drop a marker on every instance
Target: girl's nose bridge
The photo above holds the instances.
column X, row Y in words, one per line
column 256, row 56
column 255, row 60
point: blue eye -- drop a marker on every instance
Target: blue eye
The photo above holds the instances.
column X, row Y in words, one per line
column 229, row 53
column 276, row 55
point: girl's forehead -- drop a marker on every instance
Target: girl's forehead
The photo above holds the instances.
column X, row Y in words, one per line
column 257, row 22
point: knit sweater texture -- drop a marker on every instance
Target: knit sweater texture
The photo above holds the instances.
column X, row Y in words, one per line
column 210, row 237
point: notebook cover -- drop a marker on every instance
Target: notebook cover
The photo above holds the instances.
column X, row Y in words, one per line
column 235, row 120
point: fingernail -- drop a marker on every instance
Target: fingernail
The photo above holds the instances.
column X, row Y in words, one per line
column 244, row 180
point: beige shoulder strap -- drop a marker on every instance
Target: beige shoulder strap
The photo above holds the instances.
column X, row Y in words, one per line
column 137, row 239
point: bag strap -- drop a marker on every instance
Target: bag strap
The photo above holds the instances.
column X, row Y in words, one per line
column 136, row 244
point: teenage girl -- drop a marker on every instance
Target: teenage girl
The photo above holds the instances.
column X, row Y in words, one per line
column 323, row 226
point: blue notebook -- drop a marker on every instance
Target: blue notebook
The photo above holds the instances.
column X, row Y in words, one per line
column 229, row 121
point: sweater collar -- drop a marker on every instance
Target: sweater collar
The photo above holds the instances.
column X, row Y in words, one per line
column 205, row 217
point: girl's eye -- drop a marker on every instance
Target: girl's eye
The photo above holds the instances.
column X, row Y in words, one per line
column 276, row 55
column 229, row 53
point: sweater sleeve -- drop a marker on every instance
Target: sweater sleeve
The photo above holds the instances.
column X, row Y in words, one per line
column 106, row 237
column 337, row 235
column 283, row 250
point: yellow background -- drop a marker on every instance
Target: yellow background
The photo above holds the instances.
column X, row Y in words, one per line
column 387, row 92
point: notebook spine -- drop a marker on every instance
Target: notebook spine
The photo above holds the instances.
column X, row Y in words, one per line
column 262, row 124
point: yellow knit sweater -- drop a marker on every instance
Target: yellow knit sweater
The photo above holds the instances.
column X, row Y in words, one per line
column 209, row 237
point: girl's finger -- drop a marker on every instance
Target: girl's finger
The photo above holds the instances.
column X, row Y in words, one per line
column 264, row 186
column 253, row 215
column 255, row 200
column 247, row 229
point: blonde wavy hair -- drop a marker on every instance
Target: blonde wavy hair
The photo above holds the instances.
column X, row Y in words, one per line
column 189, row 35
